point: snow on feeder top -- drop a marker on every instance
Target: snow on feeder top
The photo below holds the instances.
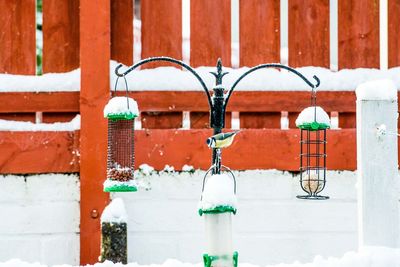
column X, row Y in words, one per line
column 218, row 195
column 313, row 122
column 121, row 113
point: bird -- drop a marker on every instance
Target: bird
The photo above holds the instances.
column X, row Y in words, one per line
column 221, row 140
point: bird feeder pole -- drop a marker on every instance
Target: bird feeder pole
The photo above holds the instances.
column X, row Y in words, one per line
column 220, row 251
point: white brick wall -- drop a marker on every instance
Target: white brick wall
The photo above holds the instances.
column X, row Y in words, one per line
column 271, row 225
column 39, row 218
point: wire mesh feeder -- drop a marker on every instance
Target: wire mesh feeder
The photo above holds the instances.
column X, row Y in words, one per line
column 121, row 113
column 313, row 123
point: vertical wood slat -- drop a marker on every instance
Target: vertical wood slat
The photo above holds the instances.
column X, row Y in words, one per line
column 358, row 23
column 122, row 31
column 260, row 120
column 60, row 35
column 394, row 33
column 17, row 36
column 347, row 120
column 210, row 32
column 309, row 33
column 161, row 29
column 259, row 32
column 94, row 94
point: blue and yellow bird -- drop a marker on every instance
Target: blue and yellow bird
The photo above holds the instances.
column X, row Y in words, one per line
column 221, row 140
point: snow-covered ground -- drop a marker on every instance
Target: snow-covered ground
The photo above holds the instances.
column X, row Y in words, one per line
column 365, row 257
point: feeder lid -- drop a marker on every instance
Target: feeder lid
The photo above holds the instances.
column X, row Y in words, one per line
column 121, row 108
column 118, row 186
column 313, row 118
column 218, row 195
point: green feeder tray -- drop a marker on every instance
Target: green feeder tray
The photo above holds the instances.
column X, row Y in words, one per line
column 313, row 126
column 121, row 116
column 218, row 209
column 119, row 187
column 208, row 259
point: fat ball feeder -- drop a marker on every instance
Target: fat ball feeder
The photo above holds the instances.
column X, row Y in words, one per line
column 219, row 180
column 313, row 123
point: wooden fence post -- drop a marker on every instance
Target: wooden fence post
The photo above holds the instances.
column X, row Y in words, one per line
column 377, row 164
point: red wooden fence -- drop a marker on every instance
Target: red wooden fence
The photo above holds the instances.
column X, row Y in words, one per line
column 87, row 34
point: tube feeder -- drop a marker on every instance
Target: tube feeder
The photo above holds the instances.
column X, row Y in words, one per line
column 217, row 204
column 121, row 113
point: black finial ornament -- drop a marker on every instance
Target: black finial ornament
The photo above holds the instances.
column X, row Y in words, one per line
column 219, row 74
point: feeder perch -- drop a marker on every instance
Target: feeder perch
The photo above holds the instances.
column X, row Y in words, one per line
column 121, row 113
column 218, row 203
column 313, row 123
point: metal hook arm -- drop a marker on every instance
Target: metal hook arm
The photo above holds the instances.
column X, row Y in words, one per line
column 171, row 60
column 272, row 65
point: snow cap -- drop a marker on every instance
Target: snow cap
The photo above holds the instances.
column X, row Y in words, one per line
column 117, row 108
column 313, row 118
column 218, row 195
column 383, row 89
column 115, row 212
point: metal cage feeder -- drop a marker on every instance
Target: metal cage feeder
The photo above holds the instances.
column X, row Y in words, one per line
column 313, row 123
column 121, row 113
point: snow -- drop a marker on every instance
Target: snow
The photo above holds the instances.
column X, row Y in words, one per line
column 173, row 78
column 218, row 191
column 49, row 82
column 110, row 183
column 308, row 116
column 383, row 89
column 187, row 168
column 73, row 125
column 146, row 169
column 365, row 257
column 121, row 105
column 115, row 212
column 168, row 168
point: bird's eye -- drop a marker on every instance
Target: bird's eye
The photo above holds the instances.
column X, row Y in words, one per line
column 208, row 141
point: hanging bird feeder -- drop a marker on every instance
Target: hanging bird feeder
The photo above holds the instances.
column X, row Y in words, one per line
column 217, row 204
column 121, row 113
column 313, row 123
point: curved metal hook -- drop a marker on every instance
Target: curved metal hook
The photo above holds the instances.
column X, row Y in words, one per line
column 171, row 60
column 272, row 65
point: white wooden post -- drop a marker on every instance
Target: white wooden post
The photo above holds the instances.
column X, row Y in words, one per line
column 377, row 164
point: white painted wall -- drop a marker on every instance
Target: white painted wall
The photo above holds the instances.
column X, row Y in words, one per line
column 39, row 218
column 271, row 225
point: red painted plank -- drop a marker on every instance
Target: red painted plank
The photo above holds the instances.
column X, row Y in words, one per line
column 39, row 152
column 259, row 32
column 260, row 120
column 161, row 29
column 347, row 120
column 44, row 101
column 258, row 149
column 161, row 120
column 210, row 32
column 393, row 33
column 358, row 23
column 309, row 33
column 250, row 101
column 168, row 101
column 17, row 36
column 25, row 116
column 122, row 31
column 201, row 120
column 94, row 94
column 60, row 35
